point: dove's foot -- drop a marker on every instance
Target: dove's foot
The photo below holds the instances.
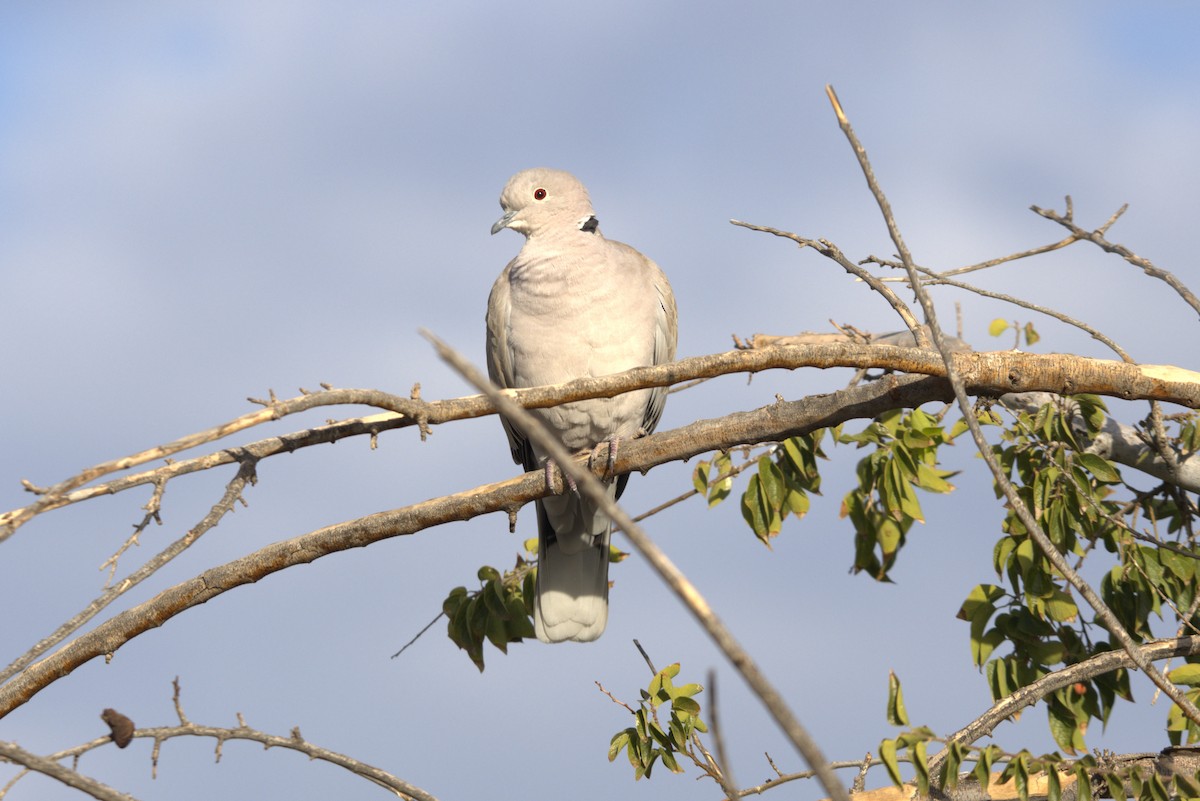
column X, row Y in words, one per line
column 610, row 463
column 570, row 482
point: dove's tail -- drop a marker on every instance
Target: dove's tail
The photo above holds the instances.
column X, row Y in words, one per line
column 572, row 578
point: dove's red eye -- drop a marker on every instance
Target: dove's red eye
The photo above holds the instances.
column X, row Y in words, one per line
column 539, row 194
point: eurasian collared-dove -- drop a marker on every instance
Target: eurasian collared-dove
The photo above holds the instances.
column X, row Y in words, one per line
column 574, row 304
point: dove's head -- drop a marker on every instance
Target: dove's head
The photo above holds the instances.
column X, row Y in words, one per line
column 541, row 200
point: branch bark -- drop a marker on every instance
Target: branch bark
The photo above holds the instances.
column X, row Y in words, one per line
column 991, row 373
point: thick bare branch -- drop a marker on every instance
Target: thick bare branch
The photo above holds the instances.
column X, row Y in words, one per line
column 987, row 373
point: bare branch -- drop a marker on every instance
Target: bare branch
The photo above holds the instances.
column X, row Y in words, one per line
column 1097, row 238
column 941, row 279
column 292, row 743
column 233, row 491
column 1030, row 694
column 161, row 734
column 49, row 767
column 52, row 497
column 831, row 251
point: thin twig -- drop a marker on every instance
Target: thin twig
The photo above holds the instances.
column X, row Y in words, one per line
column 428, row 626
column 725, row 769
column 831, row 251
column 646, row 656
column 941, row 279
column 616, row 700
column 1097, row 238
column 983, row 265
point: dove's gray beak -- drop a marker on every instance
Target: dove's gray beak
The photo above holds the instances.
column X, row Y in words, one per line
column 503, row 222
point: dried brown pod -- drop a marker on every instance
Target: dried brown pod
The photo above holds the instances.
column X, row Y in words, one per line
column 121, row 726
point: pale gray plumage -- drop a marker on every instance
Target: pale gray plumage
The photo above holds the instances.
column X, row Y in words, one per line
column 574, row 304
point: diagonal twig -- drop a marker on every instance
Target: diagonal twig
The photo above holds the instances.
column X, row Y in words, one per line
column 595, row 491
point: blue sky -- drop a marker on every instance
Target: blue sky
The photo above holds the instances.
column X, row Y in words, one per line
column 202, row 202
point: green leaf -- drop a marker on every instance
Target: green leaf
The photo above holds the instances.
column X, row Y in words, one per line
column 1186, row 787
column 1158, row 791
column 1053, row 785
column 529, row 590
column 496, row 632
column 1031, row 338
column 998, row 327
column 897, row 715
column 1020, row 775
column 700, row 478
column 619, row 741
column 954, row 758
column 930, row 479
column 1002, row 553
column 887, row 754
column 685, row 706
column 520, row 623
column 1065, row 729
column 1102, row 469
column 981, row 596
column 773, row 484
column 983, row 648
column 1049, row 652
column 1061, row 607
column 889, row 536
column 1083, row 782
column 1092, row 409
column 1185, row 674
column 920, row 762
column 493, row 597
column 488, row 573
column 679, row 734
column 798, row 503
column 1116, row 787
column 758, row 512
column 453, row 601
column 719, row 489
column 659, row 735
